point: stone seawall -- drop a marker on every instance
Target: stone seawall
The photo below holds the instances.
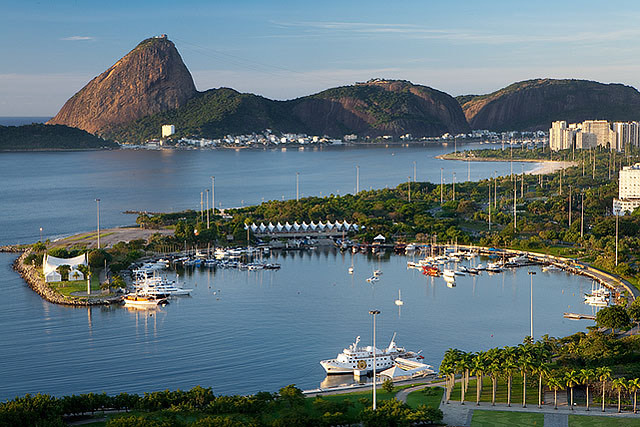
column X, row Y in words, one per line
column 35, row 281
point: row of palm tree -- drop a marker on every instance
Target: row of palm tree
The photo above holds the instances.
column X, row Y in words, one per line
column 528, row 359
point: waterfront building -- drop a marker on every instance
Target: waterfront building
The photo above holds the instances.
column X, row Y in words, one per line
column 592, row 133
column 295, row 230
column 168, row 130
column 627, row 134
column 628, row 190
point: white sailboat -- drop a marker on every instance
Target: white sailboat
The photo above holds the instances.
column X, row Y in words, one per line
column 399, row 301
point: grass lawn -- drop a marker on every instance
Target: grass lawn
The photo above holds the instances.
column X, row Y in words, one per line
column 501, row 391
column 430, row 396
column 65, row 288
column 587, row 421
column 505, row 418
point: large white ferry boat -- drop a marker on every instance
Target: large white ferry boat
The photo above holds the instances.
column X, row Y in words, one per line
column 360, row 359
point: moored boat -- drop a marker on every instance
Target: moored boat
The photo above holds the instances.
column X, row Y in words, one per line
column 356, row 358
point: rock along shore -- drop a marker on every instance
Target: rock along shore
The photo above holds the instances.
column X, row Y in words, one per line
column 36, row 282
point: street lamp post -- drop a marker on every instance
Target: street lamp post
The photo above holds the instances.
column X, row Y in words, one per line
column 98, row 210
column 531, row 274
column 374, row 313
column 207, row 193
column 213, row 198
column 441, row 179
column 41, row 234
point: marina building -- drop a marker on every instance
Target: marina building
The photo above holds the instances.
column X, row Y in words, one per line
column 295, row 230
column 628, row 190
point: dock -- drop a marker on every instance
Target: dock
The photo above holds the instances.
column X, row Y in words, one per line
column 578, row 316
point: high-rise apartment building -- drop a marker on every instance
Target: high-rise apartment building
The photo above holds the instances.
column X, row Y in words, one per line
column 628, row 190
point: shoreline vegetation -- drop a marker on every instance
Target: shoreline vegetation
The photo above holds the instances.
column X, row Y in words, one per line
column 34, row 279
column 423, row 212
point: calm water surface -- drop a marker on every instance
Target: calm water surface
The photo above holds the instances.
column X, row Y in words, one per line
column 57, row 190
column 241, row 331
column 260, row 330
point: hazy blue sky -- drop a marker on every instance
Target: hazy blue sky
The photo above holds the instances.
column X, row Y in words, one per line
column 285, row 49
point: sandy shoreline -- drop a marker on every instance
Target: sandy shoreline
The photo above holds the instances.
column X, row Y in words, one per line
column 544, row 166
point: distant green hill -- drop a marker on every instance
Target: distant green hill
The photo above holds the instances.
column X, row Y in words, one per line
column 534, row 104
column 49, row 137
column 375, row 108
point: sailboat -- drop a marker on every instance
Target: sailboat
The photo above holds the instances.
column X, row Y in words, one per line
column 399, row 301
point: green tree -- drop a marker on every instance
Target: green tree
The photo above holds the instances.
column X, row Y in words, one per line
column 603, row 373
column 478, row 367
column 526, row 364
column 387, row 386
column 292, row 395
column 614, row 317
column 634, row 385
column 64, row 270
column 619, row 384
column 555, row 384
column 571, row 378
column 509, row 365
column 586, row 376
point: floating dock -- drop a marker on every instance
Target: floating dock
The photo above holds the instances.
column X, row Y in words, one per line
column 578, row 316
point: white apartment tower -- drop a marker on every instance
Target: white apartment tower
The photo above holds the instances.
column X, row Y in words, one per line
column 168, row 130
column 628, row 190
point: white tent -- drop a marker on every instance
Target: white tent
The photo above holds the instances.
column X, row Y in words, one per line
column 379, row 238
column 75, row 274
column 50, row 263
column 52, row 276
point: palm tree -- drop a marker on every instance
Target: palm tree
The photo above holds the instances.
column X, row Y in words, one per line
column 603, row 373
column 508, row 365
column 494, row 357
column 555, row 384
column 633, row 386
column 619, row 384
column 526, row 364
column 586, row 376
column 571, row 378
column 542, row 371
column 64, row 270
column 478, row 367
column 462, row 366
column 448, row 368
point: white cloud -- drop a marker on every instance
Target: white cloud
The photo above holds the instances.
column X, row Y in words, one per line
column 411, row 31
column 77, row 38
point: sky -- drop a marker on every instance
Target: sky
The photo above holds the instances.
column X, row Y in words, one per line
column 287, row 49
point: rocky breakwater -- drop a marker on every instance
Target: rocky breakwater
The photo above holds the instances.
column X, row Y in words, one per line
column 36, row 282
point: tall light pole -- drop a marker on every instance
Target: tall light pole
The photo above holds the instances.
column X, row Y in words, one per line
column 569, row 206
column 489, row 205
column 98, row 210
column 41, row 234
column 441, row 184
column 374, row 313
column 495, row 191
column 617, row 239
column 531, row 274
column 297, row 186
column 582, row 216
column 414, row 171
column 207, row 191
column 454, row 186
column 515, row 192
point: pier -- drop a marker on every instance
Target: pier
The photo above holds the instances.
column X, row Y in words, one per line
column 578, row 316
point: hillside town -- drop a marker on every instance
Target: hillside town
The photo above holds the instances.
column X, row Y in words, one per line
column 270, row 138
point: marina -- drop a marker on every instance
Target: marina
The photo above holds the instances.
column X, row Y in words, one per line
column 315, row 316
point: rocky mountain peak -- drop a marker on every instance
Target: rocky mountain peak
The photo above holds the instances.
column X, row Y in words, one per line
column 150, row 79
